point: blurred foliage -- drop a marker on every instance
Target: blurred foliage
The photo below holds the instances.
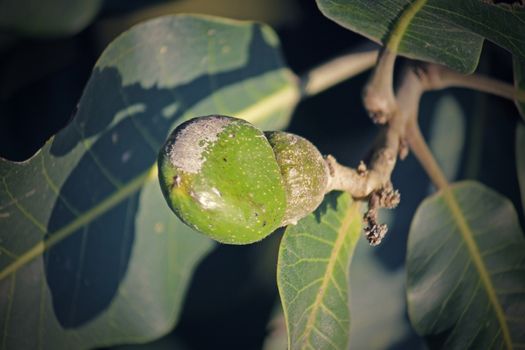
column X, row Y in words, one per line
column 519, row 82
column 520, row 160
column 49, row 18
column 79, row 235
column 313, row 273
column 447, row 135
column 466, row 269
column 273, row 12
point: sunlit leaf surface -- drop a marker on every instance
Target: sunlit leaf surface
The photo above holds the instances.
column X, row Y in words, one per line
column 90, row 254
column 312, row 274
column 466, row 270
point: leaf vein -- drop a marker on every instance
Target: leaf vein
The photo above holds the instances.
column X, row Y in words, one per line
column 22, row 210
column 341, row 236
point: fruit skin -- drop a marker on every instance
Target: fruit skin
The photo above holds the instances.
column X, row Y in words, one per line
column 219, row 175
column 304, row 172
column 227, row 179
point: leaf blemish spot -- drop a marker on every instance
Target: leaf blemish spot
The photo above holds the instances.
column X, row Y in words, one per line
column 176, row 182
column 159, row 227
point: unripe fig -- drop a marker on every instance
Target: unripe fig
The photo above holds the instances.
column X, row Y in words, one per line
column 229, row 180
column 304, row 171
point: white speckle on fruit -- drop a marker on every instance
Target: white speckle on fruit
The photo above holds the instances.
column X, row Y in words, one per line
column 207, row 200
column 186, row 150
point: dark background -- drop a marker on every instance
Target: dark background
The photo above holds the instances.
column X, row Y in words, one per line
column 233, row 292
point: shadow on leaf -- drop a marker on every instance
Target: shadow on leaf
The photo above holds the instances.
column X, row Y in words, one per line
column 329, row 202
column 115, row 135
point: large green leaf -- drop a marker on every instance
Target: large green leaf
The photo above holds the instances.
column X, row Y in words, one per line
column 466, row 270
column 519, row 82
column 448, row 32
column 370, row 315
column 520, row 160
column 90, row 253
column 312, row 274
column 43, row 18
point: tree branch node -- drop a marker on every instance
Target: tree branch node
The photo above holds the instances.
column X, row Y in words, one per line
column 374, row 231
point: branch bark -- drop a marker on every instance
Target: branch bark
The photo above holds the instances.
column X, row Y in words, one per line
column 402, row 128
column 398, row 111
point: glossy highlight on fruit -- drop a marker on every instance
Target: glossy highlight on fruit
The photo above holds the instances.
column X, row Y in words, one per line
column 227, row 179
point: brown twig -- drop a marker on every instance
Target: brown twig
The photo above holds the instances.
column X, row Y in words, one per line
column 378, row 94
column 336, row 71
column 398, row 112
column 435, row 77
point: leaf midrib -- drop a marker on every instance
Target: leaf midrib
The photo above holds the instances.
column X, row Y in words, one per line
column 285, row 96
column 467, row 235
column 401, row 26
column 80, row 221
column 341, row 235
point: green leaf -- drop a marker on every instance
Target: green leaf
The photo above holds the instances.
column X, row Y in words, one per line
column 90, row 253
column 448, row 32
column 520, row 160
column 312, row 274
column 370, row 315
column 466, row 270
column 519, row 82
column 49, row 18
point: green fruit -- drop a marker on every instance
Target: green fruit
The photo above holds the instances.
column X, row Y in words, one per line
column 222, row 177
column 304, row 172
